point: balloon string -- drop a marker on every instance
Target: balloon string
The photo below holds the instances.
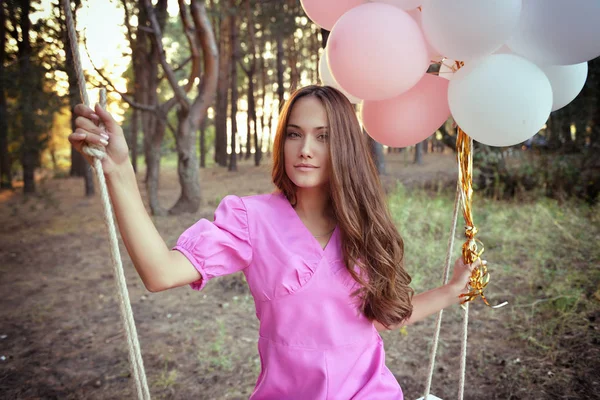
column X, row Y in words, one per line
column 472, row 248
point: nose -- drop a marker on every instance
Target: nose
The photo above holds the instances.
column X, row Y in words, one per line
column 306, row 147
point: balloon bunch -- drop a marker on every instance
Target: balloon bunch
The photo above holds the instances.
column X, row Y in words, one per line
column 508, row 63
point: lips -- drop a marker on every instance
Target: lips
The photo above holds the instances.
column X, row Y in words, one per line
column 305, row 166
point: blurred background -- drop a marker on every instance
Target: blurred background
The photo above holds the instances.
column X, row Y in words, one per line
column 60, row 334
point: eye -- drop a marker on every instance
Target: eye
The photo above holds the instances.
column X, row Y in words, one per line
column 293, row 135
column 323, row 137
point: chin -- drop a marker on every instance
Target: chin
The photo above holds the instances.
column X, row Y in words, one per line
column 308, row 183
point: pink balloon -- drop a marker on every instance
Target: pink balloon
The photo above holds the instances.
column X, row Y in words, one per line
column 411, row 117
column 403, row 4
column 325, row 13
column 377, row 51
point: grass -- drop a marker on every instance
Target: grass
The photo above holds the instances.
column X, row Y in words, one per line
column 543, row 257
column 217, row 356
column 546, row 243
column 166, row 382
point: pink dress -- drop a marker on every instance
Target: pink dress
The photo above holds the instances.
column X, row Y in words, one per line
column 313, row 342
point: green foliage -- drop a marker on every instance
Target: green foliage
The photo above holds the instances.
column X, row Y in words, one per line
column 216, row 356
column 34, row 88
column 520, row 174
column 543, row 257
column 167, row 378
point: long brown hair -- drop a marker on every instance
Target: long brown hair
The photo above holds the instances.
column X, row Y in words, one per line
column 370, row 239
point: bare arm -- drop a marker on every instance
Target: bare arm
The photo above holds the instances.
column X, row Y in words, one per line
column 432, row 301
column 159, row 267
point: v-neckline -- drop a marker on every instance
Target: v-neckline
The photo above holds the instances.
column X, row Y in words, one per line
column 307, row 231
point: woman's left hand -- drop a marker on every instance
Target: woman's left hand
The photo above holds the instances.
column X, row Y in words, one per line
column 462, row 273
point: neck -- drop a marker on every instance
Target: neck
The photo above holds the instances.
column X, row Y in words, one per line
column 312, row 203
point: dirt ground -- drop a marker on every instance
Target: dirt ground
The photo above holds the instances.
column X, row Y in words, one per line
column 60, row 330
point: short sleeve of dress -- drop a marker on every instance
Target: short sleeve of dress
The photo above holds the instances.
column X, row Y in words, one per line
column 221, row 247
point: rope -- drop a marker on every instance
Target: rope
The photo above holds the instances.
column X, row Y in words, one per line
column 438, row 321
column 98, row 153
column 470, row 250
column 463, row 353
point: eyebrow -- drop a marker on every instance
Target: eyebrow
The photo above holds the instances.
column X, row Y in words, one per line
column 297, row 127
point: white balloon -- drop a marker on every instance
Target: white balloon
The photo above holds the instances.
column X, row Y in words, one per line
column 567, row 81
column 467, row 29
column 558, row 32
column 504, row 50
column 434, row 55
column 501, row 100
column 403, row 4
column 327, row 78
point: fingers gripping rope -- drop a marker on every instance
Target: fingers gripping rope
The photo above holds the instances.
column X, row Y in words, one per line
column 98, row 153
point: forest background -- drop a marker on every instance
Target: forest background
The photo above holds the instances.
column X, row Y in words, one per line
column 197, row 86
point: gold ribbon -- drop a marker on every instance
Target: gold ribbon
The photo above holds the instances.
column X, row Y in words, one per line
column 472, row 248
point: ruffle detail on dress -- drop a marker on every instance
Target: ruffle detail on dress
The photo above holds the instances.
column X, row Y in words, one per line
column 298, row 279
column 293, row 281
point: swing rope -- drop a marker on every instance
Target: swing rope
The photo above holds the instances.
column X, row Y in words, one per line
column 438, row 320
column 471, row 251
column 98, row 153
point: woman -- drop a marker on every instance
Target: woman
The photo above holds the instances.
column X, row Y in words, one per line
column 321, row 255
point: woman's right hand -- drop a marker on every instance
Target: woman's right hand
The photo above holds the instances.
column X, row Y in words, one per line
column 111, row 137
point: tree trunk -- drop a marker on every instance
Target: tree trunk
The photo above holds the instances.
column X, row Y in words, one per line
column 293, row 63
column 280, row 69
column 143, row 81
column 419, row 153
column 29, row 152
column 314, row 54
column 202, row 142
column 153, row 124
column 187, row 165
column 257, row 143
column 5, row 170
column 252, row 118
column 191, row 116
column 222, row 96
column 152, row 147
column 377, row 153
column 263, row 84
column 270, row 140
column 447, row 139
column 248, row 128
column 5, row 162
column 234, row 90
column 79, row 166
column 594, row 66
column 134, row 138
column 154, row 132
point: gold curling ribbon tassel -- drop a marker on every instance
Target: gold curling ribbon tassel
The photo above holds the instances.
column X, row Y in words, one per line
column 472, row 248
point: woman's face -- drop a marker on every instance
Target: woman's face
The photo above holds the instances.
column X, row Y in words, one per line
column 306, row 147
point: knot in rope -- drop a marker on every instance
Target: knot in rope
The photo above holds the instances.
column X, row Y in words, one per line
column 471, row 231
column 95, row 150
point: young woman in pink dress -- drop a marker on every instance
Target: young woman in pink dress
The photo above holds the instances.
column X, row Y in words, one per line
column 321, row 255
